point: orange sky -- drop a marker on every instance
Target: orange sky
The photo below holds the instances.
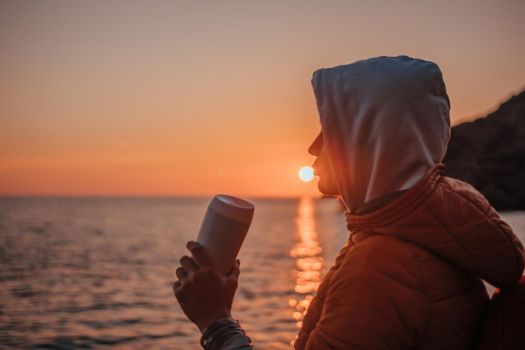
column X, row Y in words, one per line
column 186, row 97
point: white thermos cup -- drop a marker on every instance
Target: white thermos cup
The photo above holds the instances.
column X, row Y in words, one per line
column 223, row 229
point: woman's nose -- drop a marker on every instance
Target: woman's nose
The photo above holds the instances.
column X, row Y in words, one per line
column 316, row 146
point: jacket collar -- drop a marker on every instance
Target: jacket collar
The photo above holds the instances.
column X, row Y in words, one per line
column 399, row 207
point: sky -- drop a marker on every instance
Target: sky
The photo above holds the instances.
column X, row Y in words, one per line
column 203, row 97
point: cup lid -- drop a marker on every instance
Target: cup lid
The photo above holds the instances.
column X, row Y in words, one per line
column 233, row 207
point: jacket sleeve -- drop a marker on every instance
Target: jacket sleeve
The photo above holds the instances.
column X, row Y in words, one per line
column 508, row 278
column 238, row 342
column 375, row 300
column 495, row 253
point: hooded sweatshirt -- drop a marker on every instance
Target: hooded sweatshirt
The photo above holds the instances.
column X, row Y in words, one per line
column 410, row 274
column 385, row 124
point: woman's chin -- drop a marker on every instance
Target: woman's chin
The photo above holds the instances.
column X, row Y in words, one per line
column 327, row 190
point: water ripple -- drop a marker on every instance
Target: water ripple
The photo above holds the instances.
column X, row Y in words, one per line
column 89, row 273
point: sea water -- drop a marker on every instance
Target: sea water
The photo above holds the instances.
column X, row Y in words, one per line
column 96, row 272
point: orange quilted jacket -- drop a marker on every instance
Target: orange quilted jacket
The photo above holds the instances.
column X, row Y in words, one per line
column 410, row 275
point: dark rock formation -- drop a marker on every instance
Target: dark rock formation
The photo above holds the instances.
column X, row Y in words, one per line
column 489, row 153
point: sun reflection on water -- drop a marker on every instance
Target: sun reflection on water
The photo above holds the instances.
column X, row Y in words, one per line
column 308, row 260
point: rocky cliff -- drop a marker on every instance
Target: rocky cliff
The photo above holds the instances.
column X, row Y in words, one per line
column 489, row 153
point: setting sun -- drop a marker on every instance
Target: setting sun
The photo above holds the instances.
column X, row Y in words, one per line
column 306, row 173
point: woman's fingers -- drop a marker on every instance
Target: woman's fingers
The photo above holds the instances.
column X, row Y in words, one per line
column 176, row 286
column 199, row 254
column 235, row 271
column 181, row 274
column 188, row 264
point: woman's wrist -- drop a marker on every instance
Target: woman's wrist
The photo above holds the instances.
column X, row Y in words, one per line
column 222, row 331
column 205, row 324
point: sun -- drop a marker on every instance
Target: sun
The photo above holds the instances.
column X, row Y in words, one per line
column 306, row 173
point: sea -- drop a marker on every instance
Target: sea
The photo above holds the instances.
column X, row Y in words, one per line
column 96, row 272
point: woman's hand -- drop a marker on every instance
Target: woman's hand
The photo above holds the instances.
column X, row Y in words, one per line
column 203, row 293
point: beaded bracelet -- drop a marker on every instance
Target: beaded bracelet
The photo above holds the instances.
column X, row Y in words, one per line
column 219, row 332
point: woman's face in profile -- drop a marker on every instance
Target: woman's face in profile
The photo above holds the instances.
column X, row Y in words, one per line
column 321, row 167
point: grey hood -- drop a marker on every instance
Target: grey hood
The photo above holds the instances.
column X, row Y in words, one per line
column 385, row 122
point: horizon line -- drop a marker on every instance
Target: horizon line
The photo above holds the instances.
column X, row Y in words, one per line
column 189, row 196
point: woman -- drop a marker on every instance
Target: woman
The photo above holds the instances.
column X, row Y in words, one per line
column 420, row 243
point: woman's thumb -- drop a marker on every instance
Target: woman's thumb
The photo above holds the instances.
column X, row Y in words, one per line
column 235, row 271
